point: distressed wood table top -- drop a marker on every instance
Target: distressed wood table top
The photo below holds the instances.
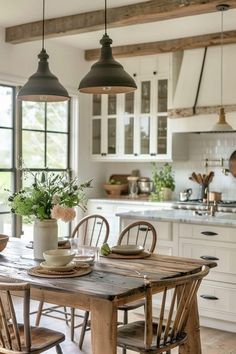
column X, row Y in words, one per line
column 110, row 278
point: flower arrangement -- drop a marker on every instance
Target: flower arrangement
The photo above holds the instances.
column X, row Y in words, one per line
column 50, row 196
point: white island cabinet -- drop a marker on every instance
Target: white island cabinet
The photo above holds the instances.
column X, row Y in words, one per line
column 206, row 237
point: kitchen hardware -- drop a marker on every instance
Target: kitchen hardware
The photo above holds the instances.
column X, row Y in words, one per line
column 184, row 196
column 210, row 258
column 209, row 297
column 209, row 233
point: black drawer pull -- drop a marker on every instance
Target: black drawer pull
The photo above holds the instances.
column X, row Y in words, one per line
column 209, row 233
column 99, row 208
column 99, row 223
column 210, row 258
column 209, row 297
column 143, row 228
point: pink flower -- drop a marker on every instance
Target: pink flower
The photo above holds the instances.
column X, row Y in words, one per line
column 64, row 213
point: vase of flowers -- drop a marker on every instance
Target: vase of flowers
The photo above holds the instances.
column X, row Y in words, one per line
column 49, row 198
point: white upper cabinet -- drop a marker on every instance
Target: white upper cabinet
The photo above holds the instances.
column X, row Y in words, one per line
column 134, row 126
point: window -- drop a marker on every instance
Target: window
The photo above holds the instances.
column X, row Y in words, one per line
column 41, row 141
column 7, row 148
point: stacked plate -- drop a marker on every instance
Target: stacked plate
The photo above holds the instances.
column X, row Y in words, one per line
column 127, row 249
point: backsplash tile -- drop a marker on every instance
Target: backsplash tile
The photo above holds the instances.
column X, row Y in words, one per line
column 200, row 146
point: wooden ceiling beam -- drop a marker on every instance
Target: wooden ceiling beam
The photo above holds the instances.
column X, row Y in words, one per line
column 171, row 45
column 144, row 12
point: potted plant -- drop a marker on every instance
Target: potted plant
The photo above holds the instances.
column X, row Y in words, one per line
column 163, row 181
column 50, row 197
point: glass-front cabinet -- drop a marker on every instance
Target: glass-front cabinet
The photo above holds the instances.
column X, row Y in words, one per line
column 132, row 126
column 104, row 125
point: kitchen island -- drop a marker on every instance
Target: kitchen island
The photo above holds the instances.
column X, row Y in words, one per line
column 183, row 233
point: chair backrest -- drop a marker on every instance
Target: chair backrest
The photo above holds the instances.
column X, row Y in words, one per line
column 172, row 317
column 140, row 233
column 93, row 230
column 10, row 338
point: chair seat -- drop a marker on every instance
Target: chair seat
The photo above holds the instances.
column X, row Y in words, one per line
column 132, row 305
column 42, row 338
column 131, row 336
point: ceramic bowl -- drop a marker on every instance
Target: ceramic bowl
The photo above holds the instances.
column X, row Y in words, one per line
column 59, row 257
column 3, row 241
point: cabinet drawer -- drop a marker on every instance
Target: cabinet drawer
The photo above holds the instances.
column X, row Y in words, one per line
column 163, row 229
column 217, row 300
column 207, row 232
column 223, row 254
column 100, row 208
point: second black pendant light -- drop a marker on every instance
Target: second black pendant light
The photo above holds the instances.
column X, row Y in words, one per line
column 43, row 86
column 107, row 75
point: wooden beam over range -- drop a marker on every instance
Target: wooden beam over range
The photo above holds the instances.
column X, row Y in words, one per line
column 144, row 12
column 171, row 45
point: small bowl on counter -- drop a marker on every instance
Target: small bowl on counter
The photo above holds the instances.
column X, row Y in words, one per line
column 145, row 185
column 115, row 189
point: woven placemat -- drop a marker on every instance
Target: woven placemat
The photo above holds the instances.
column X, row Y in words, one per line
column 143, row 254
column 78, row 271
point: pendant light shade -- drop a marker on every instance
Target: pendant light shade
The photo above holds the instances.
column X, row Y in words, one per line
column 107, row 75
column 222, row 125
column 43, row 86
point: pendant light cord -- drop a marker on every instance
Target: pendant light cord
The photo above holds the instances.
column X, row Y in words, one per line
column 105, row 16
column 43, row 29
column 221, row 58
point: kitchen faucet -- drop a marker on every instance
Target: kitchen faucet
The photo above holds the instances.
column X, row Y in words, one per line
column 211, row 208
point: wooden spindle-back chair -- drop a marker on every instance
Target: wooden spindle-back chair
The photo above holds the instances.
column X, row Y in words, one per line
column 92, row 230
column 22, row 338
column 141, row 233
column 168, row 332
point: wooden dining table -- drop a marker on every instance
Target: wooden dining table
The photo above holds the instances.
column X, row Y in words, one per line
column 111, row 283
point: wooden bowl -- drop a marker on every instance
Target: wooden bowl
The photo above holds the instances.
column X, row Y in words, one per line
column 3, row 241
column 115, row 189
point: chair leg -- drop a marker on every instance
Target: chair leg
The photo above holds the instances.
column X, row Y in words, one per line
column 39, row 313
column 72, row 323
column 58, row 349
column 66, row 315
column 83, row 329
column 125, row 321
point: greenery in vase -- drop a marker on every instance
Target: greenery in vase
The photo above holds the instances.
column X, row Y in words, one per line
column 50, row 196
column 162, row 178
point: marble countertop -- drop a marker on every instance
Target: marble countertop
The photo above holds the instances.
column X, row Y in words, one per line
column 185, row 216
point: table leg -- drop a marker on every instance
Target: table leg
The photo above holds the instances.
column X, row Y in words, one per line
column 103, row 326
column 193, row 345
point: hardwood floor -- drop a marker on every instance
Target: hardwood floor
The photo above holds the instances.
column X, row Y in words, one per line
column 213, row 341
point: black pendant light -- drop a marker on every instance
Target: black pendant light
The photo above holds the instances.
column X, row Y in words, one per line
column 107, row 75
column 222, row 125
column 43, row 86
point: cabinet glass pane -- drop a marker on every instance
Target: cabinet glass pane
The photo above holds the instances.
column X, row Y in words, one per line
column 6, row 104
column 96, row 136
column 97, row 105
column 162, row 95
column 162, row 135
column 6, row 148
column 111, row 104
column 111, row 138
column 129, row 103
column 144, row 135
column 129, row 135
column 145, row 96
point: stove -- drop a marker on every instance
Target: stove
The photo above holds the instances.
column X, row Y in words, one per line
column 197, row 204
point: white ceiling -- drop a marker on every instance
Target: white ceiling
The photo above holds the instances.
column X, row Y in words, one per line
column 15, row 12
